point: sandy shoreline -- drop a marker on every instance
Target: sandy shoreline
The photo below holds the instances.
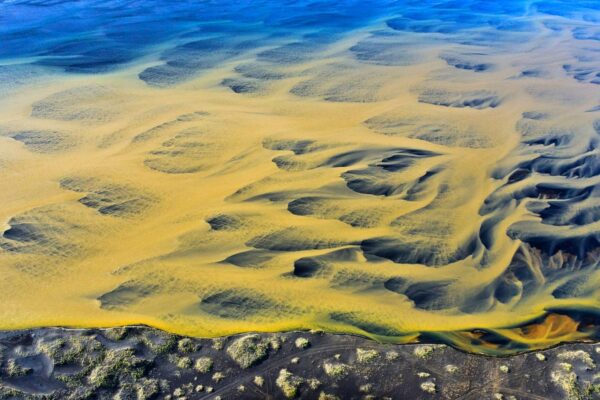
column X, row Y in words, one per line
column 144, row 363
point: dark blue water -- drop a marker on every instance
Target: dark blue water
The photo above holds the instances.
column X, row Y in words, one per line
column 92, row 36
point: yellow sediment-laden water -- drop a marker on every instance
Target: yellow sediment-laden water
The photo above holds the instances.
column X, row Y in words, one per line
column 396, row 180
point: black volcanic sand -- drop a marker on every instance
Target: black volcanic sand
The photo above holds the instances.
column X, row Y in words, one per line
column 145, row 363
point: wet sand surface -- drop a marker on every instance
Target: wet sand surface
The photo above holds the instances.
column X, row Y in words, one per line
column 397, row 170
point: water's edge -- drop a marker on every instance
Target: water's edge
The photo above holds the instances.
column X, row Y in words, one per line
column 139, row 362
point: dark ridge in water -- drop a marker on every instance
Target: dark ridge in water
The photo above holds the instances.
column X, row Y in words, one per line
column 126, row 294
column 308, row 267
column 109, row 199
column 250, row 258
column 301, row 146
column 374, row 179
column 43, row 231
column 44, row 141
column 478, row 99
column 23, row 232
column 292, row 239
column 223, row 222
column 462, row 62
column 407, row 251
column 583, row 74
column 241, row 86
column 233, row 303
